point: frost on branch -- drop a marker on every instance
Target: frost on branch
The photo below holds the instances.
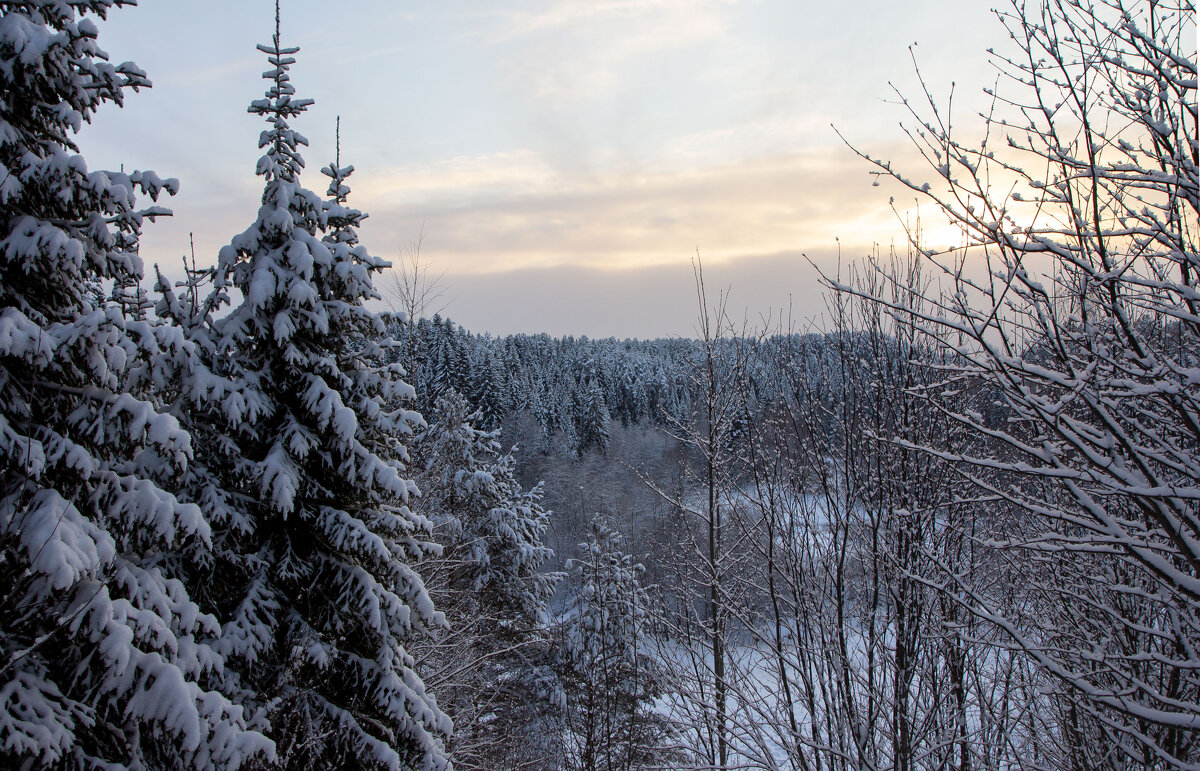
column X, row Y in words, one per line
column 1086, row 332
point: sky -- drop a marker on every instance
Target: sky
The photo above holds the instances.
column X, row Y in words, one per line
column 561, row 163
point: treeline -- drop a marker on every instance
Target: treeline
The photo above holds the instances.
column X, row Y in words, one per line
column 574, row 387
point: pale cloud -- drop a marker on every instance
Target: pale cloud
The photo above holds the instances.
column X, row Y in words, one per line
column 514, row 211
column 570, row 53
column 459, row 178
column 766, row 136
column 693, row 19
column 517, row 210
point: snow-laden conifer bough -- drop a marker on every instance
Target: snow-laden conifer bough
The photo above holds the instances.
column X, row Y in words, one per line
column 106, row 661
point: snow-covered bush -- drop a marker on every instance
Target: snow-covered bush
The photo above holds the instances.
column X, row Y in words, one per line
column 609, row 677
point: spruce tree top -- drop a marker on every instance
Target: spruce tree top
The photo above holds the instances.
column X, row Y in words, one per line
column 282, row 160
column 341, row 219
column 273, row 262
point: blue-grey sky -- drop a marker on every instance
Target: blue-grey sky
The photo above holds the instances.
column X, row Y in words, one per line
column 564, row 160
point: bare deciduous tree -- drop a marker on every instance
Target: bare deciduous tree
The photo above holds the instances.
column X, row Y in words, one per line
column 1085, row 331
column 413, row 292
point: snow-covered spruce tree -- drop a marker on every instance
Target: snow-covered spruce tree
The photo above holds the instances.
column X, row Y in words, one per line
column 316, row 589
column 487, row 665
column 487, row 386
column 608, row 675
column 590, row 415
column 106, row 659
column 445, row 365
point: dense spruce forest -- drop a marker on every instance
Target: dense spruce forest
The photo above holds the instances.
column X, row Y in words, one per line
column 249, row 521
